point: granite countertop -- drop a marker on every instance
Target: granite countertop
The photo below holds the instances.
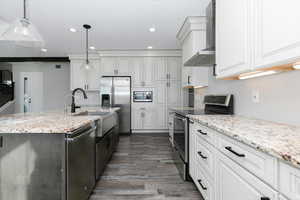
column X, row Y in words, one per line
column 50, row 122
column 279, row 140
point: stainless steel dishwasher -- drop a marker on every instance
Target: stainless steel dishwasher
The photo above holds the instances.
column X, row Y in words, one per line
column 81, row 163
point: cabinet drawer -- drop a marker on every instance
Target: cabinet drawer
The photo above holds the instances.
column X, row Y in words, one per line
column 258, row 163
column 206, row 133
column 234, row 182
column 289, row 181
column 205, row 155
column 203, row 182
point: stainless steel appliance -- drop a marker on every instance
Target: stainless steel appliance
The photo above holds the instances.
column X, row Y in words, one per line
column 119, row 90
column 142, row 96
column 6, row 87
column 206, row 57
column 81, row 163
column 214, row 104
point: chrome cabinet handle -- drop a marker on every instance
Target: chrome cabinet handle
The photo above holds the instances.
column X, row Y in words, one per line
column 192, row 122
column 189, row 81
column 201, row 155
column 202, row 186
column 203, row 133
column 228, row 148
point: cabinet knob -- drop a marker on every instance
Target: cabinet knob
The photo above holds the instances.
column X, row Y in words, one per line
column 228, row 148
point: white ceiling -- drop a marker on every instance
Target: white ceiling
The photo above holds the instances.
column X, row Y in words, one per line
column 116, row 24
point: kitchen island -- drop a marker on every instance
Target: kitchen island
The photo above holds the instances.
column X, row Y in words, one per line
column 48, row 155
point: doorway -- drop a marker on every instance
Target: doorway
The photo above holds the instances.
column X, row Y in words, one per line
column 31, row 91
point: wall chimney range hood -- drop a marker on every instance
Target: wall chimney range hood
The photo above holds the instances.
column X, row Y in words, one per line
column 197, row 35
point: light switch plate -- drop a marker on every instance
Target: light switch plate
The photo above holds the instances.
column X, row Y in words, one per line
column 255, row 96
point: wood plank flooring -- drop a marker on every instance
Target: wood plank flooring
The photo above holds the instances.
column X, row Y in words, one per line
column 143, row 169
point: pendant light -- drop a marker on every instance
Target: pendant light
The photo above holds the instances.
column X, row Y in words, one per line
column 23, row 32
column 87, row 65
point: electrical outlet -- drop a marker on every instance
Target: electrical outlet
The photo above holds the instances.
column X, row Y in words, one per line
column 255, row 96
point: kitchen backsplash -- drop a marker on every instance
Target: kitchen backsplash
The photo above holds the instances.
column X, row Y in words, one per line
column 279, row 96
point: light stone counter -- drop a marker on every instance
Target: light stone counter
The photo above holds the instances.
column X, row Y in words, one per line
column 279, row 140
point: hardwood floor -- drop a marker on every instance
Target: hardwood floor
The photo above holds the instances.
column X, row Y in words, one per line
column 142, row 168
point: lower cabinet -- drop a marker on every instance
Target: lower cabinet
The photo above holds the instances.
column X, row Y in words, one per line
column 238, row 172
column 235, row 183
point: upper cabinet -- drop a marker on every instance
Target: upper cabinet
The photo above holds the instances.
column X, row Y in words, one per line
column 192, row 37
column 82, row 78
column 232, row 37
column 115, row 66
column 255, row 34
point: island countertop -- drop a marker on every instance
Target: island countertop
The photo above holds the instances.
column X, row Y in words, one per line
column 279, row 140
column 46, row 122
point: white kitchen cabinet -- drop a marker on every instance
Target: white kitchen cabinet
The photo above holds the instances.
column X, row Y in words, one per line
column 277, row 32
column 173, row 65
column 108, row 66
column 160, row 69
column 115, row 66
column 160, row 94
column 289, row 181
column 233, row 42
column 235, row 183
column 85, row 79
column 255, row 34
column 138, row 114
column 155, row 117
column 136, row 71
column 148, row 72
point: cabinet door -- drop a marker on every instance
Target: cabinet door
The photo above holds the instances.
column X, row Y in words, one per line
column 155, row 117
column 174, row 93
column 138, row 115
column 174, row 68
column 161, row 92
column 148, row 71
column 124, row 64
column 235, row 183
column 278, row 31
column 137, row 72
column 78, row 79
column 160, row 70
column 108, row 66
column 232, row 37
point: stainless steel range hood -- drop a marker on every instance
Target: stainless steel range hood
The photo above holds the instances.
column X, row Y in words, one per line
column 206, row 57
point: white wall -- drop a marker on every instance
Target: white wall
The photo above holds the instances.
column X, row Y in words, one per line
column 279, row 96
column 56, row 82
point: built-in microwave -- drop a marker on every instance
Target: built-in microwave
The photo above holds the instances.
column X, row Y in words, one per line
column 142, row 96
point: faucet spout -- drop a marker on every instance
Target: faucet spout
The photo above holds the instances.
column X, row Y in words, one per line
column 73, row 106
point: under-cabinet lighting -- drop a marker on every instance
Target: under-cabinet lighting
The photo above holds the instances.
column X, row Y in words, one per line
column 296, row 66
column 150, row 47
column 199, row 86
column 44, row 50
column 256, row 74
column 92, row 47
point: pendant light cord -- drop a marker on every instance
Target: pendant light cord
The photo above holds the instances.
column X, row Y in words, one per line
column 87, row 46
column 24, row 7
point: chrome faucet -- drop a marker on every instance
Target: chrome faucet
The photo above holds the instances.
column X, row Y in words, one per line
column 73, row 106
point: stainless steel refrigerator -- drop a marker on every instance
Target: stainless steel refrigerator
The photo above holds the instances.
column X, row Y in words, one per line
column 115, row 91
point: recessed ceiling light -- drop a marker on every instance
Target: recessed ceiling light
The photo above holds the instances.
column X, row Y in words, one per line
column 152, row 29
column 73, row 30
column 44, row 50
column 92, row 47
column 150, row 47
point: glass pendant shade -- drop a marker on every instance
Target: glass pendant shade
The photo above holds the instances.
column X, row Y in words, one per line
column 23, row 33
column 3, row 26
column 87, row 66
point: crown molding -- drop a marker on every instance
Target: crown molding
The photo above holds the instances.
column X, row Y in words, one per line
column 191, row 23
column 140, row 53
column 94, row 56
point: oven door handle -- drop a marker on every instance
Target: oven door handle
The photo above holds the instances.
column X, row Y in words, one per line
column 181, row 119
